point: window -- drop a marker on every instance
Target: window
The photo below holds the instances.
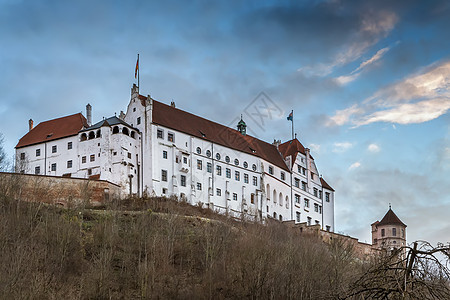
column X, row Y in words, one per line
column 297, row 182
column 237, row 175
column 316, row 207
column 165, row 154
column 312, row 175
column 199, row 150
column 185, row 160
column 183, row 180
column 245, row 164
column 54, row 149
column 245, row 178
column 218, row 156
column 254, row 167
column 304, row 171
column 54, row 167
column 252, row 198
column 228, row 173
column 327, row 197
column 317, row 222
column 299, row 168
column 382, row 232
column 218, row 192
column 170, row 137
column 69, row 164
column 236, row 162
column 138, row 121
column 255, row 181
column 234, row 196
column 303, row 185
column 134, row 109
column 297, row 198
column 199, row 164
column 209, row 167
column 92, row 157
column 306, row 202
column 320, row 194
column 69, row 145
column 219, row 170
column 283, row 176
column 328, row 227
column 22, row 156
column 315, row 192
column 227, row 159
column 208, row 153
column 160, row 134
column 38, row 152
column 320, row 209
column 163, row 175
column 199, row 186
column 270, row 170
column 309, row 221
column 297, row 216
column 394, row 231
column 89, row 171
column 129, row 155
column 37, row 170
column 83, row 159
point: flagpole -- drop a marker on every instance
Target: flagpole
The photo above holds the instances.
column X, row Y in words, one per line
column 292, row 120
column 138, row 71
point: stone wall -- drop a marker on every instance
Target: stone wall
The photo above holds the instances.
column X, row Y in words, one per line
column 64, row 191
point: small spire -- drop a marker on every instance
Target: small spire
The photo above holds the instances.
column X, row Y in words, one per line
column 389, row 205
column 295, row 135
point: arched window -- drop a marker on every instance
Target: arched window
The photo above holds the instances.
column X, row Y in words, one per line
column 268, row 192
column 274, row 215
column 98, row 133
column 274, row 196
column 287, row 202
column 116, row 129
column 281, row 218
column 91, row 135
column 199, row 150
column 281, row 199
column 133, row 135
column 245, row 164
column 83, row 137
column 227, row 159
column 236, row 162
column 125, row 131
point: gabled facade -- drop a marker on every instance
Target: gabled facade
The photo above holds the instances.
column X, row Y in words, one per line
column 157, row 149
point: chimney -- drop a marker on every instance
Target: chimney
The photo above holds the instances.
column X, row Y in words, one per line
column 89, row 114
column 30, row 124
column 172, row 104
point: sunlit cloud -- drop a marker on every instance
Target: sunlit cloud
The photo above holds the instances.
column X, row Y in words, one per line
column 374, row 148
column 342, row 147
column 416, row 99
column 354, row 166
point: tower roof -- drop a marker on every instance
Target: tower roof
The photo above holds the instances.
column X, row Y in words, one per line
column 390, row 219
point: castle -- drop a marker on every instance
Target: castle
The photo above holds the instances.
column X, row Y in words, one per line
column 160, row 150
column 389, row 233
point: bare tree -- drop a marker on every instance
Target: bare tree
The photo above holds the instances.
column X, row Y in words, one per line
column 417, row 272
column 3, row 161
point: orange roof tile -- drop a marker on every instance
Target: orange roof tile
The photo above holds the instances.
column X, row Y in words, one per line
column 292, row 148
column 188, row 123
column 53, row 130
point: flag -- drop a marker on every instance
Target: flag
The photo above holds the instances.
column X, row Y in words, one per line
column 137, row 67
column 291, row 116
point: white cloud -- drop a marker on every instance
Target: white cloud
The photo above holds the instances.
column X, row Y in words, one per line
column 341, row 147
column 416, row 99
column 315, row 148
column 374, row 148
column 354, row 165
column 373, row 28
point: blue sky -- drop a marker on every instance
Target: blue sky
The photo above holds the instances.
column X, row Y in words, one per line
column 369, row 83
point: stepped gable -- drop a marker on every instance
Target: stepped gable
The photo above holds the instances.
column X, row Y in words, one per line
column 199, row 127
column 390, row 219
column 292, row 148
column 53, row 130
column 325, row 185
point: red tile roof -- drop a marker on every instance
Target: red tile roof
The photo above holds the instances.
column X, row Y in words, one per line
column 53, row 130
column 292, row 148
column 391, row 219
column 325, row 185
column 188, row 123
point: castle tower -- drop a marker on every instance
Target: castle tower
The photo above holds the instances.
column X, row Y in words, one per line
column 389, row 233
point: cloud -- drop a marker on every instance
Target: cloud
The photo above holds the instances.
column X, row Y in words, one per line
column 374, row 148
column 373, row 28
column 416, row 99
column 354, row 166
column 315, row 148
column 341, row 147
column 342, row 80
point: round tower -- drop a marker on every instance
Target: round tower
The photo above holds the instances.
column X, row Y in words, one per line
column 389, row 233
